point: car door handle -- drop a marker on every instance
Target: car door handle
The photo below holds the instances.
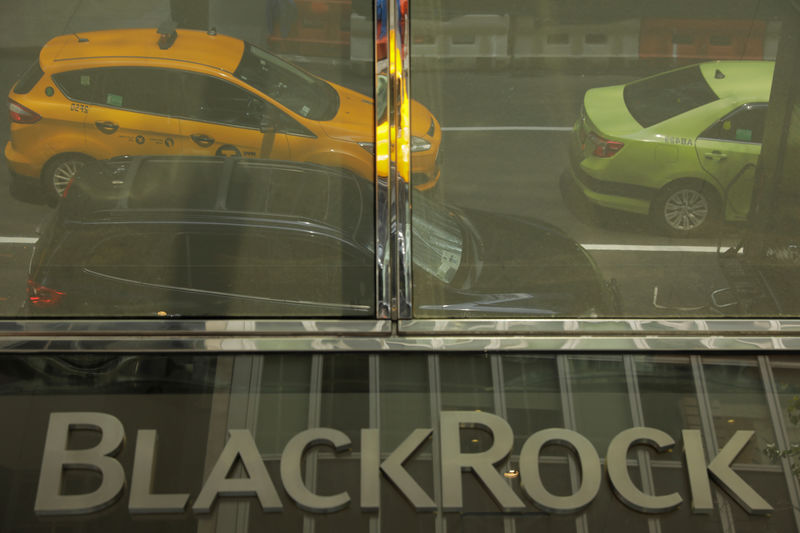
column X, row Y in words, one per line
column 202, row 139
column 716, row 155
column 106, row 126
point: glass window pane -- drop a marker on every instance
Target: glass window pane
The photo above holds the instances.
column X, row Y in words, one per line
column 345, row 399
column 589, row 164
column 284, row 401
column 532, row 396
column 738, row 402
column 405, row 402
column 241, row 145
column 600, row 396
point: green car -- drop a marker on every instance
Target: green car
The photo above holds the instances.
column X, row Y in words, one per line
column 680, row 146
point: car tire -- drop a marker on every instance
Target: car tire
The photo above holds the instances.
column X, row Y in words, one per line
column 58, row 174
column 686, row 209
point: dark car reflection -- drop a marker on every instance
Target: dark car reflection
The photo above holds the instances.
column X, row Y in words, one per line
column 95, row 373
column 203, row 237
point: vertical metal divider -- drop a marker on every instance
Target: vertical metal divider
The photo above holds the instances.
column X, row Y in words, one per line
column 496, row 361
column 709, row 435
column 314, row 420
column 781, row 434
column 435, row 391
column 637, row 417
column 233, row 516
column 393, row 167
column 383, row 164
column 568, row 407
column 400, row 50
column 251, row 419
column 375, row 422
column 217, row 433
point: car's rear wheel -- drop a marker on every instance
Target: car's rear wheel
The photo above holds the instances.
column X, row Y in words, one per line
column 686, row 209
column 59, row 173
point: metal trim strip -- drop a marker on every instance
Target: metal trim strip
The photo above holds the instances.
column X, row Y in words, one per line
column 602, row 327
column 230, row 327
column 46, row 343
column 383, row 189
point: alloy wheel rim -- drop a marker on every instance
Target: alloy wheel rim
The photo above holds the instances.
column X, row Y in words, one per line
column 64, row 174
column 686, row 210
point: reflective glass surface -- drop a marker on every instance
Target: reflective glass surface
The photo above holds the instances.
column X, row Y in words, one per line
column 187, row 159
column 614, row 145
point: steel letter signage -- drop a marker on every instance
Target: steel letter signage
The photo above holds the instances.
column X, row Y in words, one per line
column 256, row 481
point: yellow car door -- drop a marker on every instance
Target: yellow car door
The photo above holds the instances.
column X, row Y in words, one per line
column 133, row 115
column 218, row 117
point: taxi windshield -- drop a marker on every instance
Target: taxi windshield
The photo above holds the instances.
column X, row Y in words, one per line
column 293, row 88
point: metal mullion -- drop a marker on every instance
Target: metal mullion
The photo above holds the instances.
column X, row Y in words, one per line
column 314, row 420
column 383, row 184
column 568, row 407
column 217, row 434
column 402, row 229
column 375, row 422
column 637, row 417
column 709, row 435
column 435, row 391
column 392, row 184
column 234, row 515
column 781, row 434
column 496, row 361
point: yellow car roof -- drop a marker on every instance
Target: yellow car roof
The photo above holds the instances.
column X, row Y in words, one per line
column 191, row 46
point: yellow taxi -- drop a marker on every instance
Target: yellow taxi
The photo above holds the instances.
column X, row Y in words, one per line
column 103, row 94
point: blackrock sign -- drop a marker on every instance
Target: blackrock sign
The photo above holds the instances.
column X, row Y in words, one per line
column 257, row 481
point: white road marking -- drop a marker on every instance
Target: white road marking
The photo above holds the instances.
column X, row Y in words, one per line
column 18, row 240
column 651, row 248
column 507, row 128
column 593, row 247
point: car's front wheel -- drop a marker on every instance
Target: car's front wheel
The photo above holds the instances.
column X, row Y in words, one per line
column 686, row 209
column 59, row 173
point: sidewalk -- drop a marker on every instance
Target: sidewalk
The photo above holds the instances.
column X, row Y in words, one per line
column 30, row 24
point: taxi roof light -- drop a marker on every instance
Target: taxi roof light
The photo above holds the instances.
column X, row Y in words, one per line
column 168, row 33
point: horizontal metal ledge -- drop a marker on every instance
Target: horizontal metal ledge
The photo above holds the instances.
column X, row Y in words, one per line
column 603, row 327
column 188, row 328
column 374, row 344
column 52, row 328
column 246, row 335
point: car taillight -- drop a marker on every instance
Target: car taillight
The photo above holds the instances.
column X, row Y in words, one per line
column 21, row 114
column 603, row 147
column 41, row 296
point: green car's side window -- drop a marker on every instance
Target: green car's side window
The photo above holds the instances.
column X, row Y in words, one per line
column 746, row 124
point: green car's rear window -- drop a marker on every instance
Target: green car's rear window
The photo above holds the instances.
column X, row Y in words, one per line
column 661, row 97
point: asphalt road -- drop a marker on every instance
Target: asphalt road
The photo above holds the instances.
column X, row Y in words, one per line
column 504, row 140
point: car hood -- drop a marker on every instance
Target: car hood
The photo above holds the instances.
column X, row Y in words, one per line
column 522, row 268
column 606, row 110
column 355, row 119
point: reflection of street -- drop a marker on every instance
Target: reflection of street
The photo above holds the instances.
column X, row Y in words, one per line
column 504, row 146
